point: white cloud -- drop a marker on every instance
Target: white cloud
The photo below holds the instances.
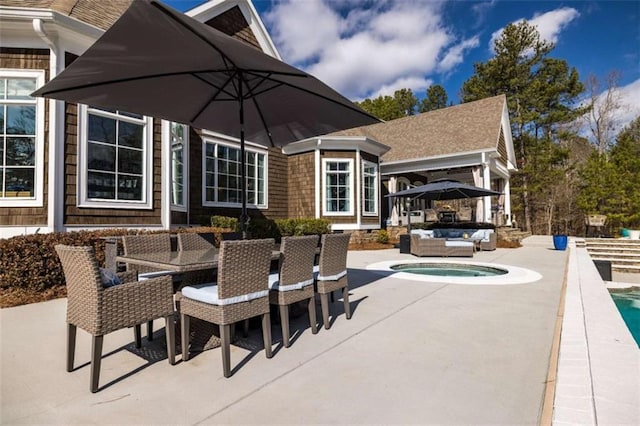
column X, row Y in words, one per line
column 363, row 49
column 630, row 100
column 548, row 24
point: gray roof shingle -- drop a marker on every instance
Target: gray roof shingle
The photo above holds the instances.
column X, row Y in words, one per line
column 461, row 128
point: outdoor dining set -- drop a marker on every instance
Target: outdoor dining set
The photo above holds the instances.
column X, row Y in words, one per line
column 200, row 283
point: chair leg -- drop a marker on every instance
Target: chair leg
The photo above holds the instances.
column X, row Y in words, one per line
column 284, row 322
column 312, row 315
column 266, row 334
column 324, row 301
column 150, row 330
column 225, row 342
column 345, row 298
column 184, row 330
column 137, row 334
column 71, row 346
column 170, row 331
column 96, row 358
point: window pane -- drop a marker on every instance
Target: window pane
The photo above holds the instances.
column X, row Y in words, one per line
column 101, row 157
column 21, row 120
column 210, row 179
column 1, row 182
column 130, row 134
column 129, row 161
column 1, row 118
column 20, row 182
column 21, row 152
column 129, row 187
column 2, row 87
column 102, row 129
column 131, row 114
column 211, row 194
column 20, row 88
column 101, row 185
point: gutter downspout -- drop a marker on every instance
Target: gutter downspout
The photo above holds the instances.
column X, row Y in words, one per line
column 55, row 195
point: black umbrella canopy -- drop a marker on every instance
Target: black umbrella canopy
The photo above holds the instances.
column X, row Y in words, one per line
column 158, row 62
column 445, row 189
column 161, row 63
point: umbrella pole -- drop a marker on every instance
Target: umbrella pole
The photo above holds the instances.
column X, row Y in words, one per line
column 244, row 217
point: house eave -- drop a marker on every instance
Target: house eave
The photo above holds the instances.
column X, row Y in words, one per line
column 436, row 162
column 336, row 143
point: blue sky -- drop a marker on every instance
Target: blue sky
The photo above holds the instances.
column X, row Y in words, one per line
column 364, row 48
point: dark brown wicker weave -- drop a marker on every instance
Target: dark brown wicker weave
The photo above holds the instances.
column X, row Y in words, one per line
column 243, row 268
column 333, row 261
column 195, row 241
column 99, row 310
column 437, row 247
column 296, row 266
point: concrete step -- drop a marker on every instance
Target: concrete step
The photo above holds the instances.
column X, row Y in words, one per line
column 609, row 249
column 622, row 255
column 625, row 242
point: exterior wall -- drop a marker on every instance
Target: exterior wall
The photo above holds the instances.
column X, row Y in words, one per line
column 277, row 178
column 233, row 23
column 302, row 187
column 28, row 59
column 502, row 149
column 87, row 217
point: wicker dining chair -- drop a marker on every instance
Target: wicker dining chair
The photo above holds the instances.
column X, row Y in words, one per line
column 294, row 280
column 147, row 243
column 195, row 241
column 331, row 272
column 240, row 292
column 100, row 310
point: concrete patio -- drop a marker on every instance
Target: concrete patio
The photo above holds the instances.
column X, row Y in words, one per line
column 414, row 352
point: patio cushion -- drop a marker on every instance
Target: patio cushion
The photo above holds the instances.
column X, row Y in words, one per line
column 424, row 233
column 318, row 277
column 458, row 243
column 108, row 278
column 274, row 283
column 208, row 293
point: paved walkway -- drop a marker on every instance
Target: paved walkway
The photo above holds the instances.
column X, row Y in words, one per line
column 414, row 352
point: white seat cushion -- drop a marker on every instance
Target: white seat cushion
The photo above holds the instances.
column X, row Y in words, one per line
column 274, row 283
column 458, row 243
column 318, row 277
column 208, row 293
column 146, row 275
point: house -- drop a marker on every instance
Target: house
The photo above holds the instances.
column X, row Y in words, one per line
column 58, row 167
column 70, row 167
column 470, row 142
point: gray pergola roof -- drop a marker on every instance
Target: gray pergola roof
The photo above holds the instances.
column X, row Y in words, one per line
column 468, row 127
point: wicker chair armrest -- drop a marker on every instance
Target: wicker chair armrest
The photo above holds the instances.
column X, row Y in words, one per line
column 128, row 276
column 135, row 302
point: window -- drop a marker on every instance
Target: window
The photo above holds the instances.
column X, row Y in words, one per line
column 115, row 157
column 21, row 139
column 338, row 187
column 222, row 176
column 370, row 188
column 178, row 134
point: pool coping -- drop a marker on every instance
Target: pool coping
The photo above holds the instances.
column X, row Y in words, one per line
column 598, row 377
column 515, row 275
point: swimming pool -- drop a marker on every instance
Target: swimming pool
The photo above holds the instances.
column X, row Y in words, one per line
column 628, row 303
column 450, row 269
column 455, row 272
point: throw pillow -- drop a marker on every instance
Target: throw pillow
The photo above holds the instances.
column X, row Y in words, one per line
column 109, row 278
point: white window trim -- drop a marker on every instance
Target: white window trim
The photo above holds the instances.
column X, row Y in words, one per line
column 351, row 186
column 376, row 185
column 147, row 181
column 38, row 199
column 185, row 169
column 220, row 142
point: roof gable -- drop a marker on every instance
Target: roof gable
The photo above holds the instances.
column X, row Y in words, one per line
column 468, row 127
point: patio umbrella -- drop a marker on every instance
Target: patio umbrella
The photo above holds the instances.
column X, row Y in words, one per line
column 158, row 62
column 443, row 189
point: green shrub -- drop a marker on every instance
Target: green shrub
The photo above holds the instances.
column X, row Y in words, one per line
column 225, row 222
column 263, row 228
column 383, row 236
column 31, row 262
column 303, row 226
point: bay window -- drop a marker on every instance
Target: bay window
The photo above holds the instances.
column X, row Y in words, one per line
column 338, row 187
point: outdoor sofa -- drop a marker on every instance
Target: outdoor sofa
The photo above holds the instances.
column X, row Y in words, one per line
column 485, row 239
column 440, row 247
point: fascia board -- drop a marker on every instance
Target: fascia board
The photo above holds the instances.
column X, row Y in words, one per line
column 213, row 8
column 466, row 159
column 337, row 143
